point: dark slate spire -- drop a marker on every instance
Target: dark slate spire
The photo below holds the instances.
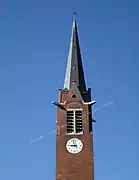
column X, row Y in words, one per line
column 74, row 71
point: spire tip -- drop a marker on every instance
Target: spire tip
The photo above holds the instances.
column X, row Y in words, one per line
column 74, row 16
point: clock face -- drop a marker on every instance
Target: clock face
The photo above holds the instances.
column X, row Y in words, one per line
column 74, row 145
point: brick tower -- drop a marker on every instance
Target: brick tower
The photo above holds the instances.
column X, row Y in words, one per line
column 74, row 147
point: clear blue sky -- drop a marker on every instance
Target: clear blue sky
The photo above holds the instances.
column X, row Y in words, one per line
column 34, row 42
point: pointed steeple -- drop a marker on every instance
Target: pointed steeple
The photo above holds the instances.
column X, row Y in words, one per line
column 74, row 70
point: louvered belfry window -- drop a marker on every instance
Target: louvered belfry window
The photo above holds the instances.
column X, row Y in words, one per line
column 74, row 121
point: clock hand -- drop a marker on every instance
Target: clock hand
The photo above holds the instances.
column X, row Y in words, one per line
column 75, row 144
column 72, row 145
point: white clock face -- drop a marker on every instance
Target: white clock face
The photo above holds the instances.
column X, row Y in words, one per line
column 74, row 145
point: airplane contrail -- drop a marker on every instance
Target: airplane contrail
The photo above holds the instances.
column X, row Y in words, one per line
column 54, row 130
column 37, row 139
column 107, row 104
column 43, row 136
column 103, row 106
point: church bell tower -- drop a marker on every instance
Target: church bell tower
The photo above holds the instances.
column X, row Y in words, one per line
column 74, row 143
